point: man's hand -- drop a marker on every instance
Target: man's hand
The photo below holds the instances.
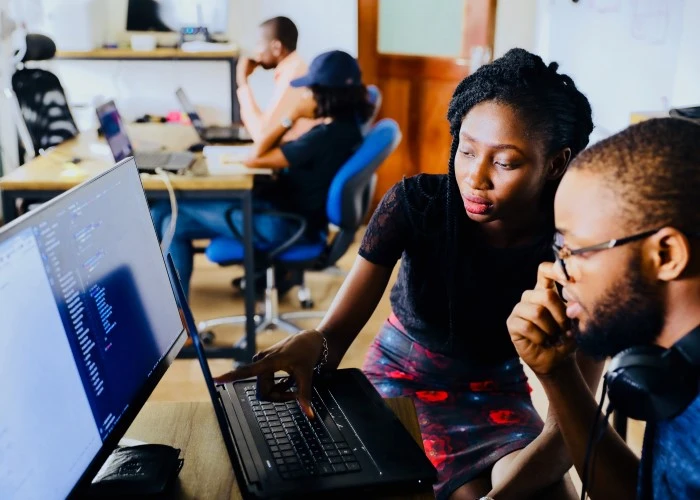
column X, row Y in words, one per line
column 244, row 69
column 538, row 326
column 305, row 107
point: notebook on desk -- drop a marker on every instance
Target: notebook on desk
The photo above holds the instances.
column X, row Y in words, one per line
column 354, row 445
column 228, row 160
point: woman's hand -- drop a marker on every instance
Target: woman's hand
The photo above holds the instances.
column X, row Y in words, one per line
column 295, row 355
column 538, row 326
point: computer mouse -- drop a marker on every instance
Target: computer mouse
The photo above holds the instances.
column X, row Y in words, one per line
column 197, row 147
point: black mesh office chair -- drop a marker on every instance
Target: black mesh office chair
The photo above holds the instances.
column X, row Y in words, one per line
column 42, row 101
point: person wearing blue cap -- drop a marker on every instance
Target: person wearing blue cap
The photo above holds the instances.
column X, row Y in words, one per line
column 337, row 98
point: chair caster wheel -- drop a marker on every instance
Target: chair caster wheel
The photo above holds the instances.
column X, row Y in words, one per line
column 307, row 304
column 207, row 337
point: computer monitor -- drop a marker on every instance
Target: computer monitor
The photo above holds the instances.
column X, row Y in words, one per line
column 88, row 325
column 173, row 15
column 114, row 130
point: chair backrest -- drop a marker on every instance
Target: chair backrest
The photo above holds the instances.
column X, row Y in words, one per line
column 352, row 188
column 374, row 95
column 41, row 98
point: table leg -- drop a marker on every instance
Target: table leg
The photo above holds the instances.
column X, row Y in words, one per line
column 620, row 424
column 249, row 266
column 9, row 207
column 235, row 108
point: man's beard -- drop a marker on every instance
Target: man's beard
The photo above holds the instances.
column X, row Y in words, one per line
column 630, row 314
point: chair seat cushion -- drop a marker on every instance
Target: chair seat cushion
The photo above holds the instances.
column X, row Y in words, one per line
column 226, row 250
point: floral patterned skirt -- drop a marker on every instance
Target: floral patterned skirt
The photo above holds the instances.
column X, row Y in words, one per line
column 469, row 417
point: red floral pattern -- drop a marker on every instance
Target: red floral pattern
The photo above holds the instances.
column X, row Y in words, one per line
column 504, row 417
column 432, row 396
column 468, row 419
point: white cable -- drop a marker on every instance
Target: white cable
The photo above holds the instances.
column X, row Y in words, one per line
column 170, row 232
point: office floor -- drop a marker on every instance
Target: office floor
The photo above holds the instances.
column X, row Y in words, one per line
column 212, row 296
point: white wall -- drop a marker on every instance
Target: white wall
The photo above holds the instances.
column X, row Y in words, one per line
column 516, row 25
column 149, row 87
column 625, row 55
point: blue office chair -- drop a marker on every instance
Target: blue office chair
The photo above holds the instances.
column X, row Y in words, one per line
column 347, row 206
column 374, row 95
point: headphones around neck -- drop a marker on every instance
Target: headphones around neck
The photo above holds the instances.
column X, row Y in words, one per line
column 651, row 383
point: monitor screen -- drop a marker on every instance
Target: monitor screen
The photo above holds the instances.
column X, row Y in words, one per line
column 114, row 130
column 89, row 324
column 172, row 15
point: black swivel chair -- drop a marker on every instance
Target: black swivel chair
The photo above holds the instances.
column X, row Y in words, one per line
column 41, row 99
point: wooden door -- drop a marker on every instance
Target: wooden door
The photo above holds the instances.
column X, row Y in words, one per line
column 416, row 52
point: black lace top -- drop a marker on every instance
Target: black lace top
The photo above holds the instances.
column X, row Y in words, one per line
column 410, row 223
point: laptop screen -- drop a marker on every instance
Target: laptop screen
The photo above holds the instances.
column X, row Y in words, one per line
column 89, row 322
column 114, row 130
column 188, row 108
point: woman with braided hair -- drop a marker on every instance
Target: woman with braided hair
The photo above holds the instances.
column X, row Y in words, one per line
column 469, row 243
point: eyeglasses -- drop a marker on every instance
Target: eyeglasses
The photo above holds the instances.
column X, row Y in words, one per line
column 562, row 252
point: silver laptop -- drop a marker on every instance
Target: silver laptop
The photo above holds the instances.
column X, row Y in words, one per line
column 118, row 140
column 230, row 133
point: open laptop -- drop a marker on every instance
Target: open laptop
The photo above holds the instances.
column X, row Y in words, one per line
column 115, row 132
column 355, row 444
column 231, row 133
column 89, row 327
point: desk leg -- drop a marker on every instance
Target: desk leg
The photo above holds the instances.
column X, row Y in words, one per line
column 620, row 424
column 235, row 108
column 249, row 266
column 9, row 207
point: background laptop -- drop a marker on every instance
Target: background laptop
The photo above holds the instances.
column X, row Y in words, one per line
column 89, row 326
column 355, row 443
column 115, row 132
column 231, row 133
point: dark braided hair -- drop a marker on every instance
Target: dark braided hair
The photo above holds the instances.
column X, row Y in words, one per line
column 546, row 100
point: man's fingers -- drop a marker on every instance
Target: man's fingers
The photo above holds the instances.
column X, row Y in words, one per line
column 521, row 328
column 548, row 274
column 540, row 316
column 550, row 300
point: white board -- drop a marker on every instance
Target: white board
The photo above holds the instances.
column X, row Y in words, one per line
column 623, row 54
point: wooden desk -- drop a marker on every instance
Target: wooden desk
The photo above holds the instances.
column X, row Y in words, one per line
column 47, row 176
column 164, row 54
column 193, row 428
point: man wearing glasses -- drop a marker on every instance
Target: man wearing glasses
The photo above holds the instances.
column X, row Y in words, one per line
column 627, row 275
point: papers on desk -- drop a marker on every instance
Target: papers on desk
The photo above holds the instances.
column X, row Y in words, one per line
column 228, row 160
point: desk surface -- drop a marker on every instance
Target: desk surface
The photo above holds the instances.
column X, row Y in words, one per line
column 159, row 53
column 193, row 428
column 55, row 172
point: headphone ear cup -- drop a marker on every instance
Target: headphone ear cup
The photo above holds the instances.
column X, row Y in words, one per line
column 642, row 385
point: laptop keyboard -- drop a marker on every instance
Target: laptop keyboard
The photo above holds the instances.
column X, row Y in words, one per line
column 302, row 447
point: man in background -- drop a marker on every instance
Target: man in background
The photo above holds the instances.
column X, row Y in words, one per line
column 275, row 50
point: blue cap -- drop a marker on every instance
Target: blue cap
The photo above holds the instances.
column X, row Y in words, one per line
column 331, row 69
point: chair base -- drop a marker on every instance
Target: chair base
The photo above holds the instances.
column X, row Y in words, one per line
column 271, row 319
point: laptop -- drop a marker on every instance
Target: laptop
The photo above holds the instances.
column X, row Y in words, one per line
column 89, row 327
column 115, row 132
column 356, row 444
column 231, row 133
